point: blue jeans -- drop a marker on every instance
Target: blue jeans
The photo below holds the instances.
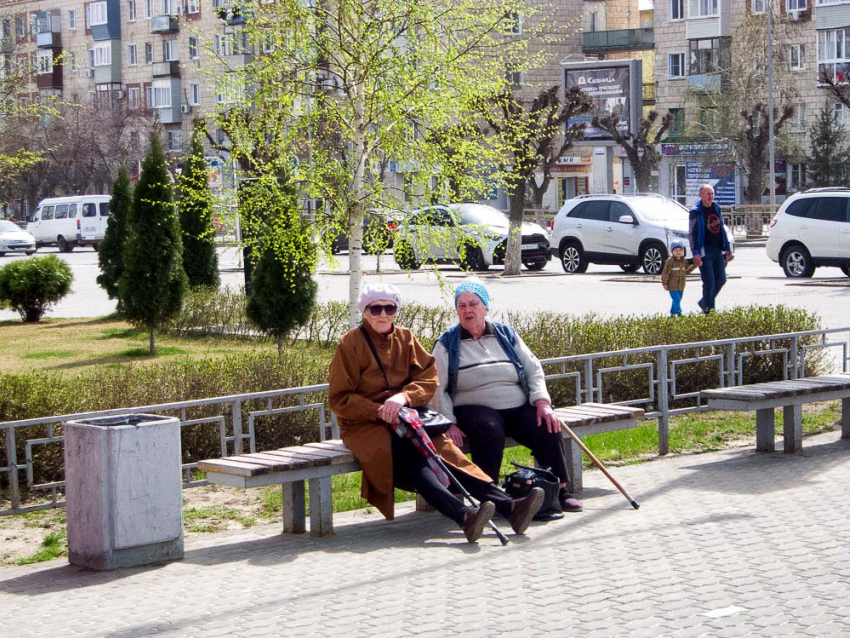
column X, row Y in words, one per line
column 713, row 275
column 676, row 296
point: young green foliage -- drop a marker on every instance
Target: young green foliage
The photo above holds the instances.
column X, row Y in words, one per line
column 31, row 286
column 153, row 282
column 830, row 160
column 110, row 254
column 200, row 260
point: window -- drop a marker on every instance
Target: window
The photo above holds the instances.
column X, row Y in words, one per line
column 102, row 53
column 72, row 58
column 193, row 48
column 133, row 98
column 596, row 210
column 104, row 209
column 834, row 53
column 228, row 90
column 132, row 55
column 796, row 5
column 45, row 61
column 798, row 121
column 72, row 19
column 131, row 11
column 677, row 126
column 174, row 141
column 513, row 23
column 169, row 7
column 194, row 94
column 97, row 14
column 61, row 212
column 797, row 57
column 708, row 56
column 758, row 6
column 160, row 95
column 675, row 65
column 72, row 211
column 194, row 6
column 677, row 10
column 268, row 42
column 839, row 113
column 89, row 210
column 829, row 209
column 618, row 209
column 148, row 9
column 21, row 32
column 703, row 8
column 148, row 53
column 798, row 176
column 169, row 50
column 224, row 44
column 47, row 213
column 514, row 78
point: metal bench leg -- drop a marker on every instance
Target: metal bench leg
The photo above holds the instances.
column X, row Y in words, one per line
column 574, row 465
column 321, row 507
column 793, row 427
column 765, row 430
column 845, row 418
column 294, row 508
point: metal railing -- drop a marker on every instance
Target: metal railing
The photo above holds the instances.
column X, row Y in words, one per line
column 585, row 374
column 617, row 40
column 750, row 221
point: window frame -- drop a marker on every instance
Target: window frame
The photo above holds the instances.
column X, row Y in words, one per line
column 98, row 11
column 72, row 19
column 692, row 3
column 800, row 5
column 680, row 5
column 131, row 10
column 682, row 60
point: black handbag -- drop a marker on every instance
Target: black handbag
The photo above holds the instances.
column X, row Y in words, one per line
column 435, row 424
column 518, row 484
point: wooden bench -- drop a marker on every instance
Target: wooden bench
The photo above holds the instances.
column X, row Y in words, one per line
column 788, row 395
column 316, row 463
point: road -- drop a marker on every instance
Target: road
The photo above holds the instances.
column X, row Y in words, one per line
column 604, row 290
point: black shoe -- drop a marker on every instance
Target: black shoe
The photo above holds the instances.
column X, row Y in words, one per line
column 475, row 518
column 524, row 510
column 702, row 307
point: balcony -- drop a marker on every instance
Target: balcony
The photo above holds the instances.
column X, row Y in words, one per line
column 7, row 44
column 234, row 15
column 649, row 92
column 617, row 40
column 48, row 40
column 169, row 69
column 165, row 24
column 707, row 82
column 109, row 74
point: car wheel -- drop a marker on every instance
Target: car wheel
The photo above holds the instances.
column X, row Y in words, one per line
column 846, row 270
column 405, row 257
column 473, row 258
column 335, row 247
column 652, row 258
column 573, row 259
column 4, row 254
column 537, row 265
column 797, row 262
column 29, row 252
column 64, row 245
column 629, row 267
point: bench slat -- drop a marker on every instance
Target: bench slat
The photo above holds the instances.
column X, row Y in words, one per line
column 230, row 466
column 298, row 460
column 280, row 463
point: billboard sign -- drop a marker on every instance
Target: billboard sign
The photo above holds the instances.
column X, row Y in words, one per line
column 720, row 175
column 615, row 87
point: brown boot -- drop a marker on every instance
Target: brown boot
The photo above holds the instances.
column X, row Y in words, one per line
column 525, row 509
column 475, row 518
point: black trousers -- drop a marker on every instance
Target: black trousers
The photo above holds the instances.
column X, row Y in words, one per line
column 411, row 469
column 487, row 430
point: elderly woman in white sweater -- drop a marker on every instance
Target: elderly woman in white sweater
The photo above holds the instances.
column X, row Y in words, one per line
column 493, row 387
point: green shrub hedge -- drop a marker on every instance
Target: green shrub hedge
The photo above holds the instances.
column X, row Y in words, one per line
column 547, row 334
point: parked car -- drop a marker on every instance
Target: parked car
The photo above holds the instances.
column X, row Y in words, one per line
column 631, row 231
column 473, row 236
column 811, row 229
column 79, row 220
column 379, row 229
column 13, row 239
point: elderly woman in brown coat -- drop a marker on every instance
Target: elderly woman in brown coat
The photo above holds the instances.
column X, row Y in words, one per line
column 365, row 403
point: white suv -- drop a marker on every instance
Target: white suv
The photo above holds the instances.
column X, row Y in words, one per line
column 625, row 230
column 812, row 229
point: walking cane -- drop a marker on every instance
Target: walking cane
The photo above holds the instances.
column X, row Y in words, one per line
column 598, row 463
column 420, row 434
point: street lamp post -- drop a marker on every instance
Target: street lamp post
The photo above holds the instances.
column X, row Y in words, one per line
column 770, row 145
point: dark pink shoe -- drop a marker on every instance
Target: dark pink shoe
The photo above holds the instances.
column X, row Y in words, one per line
column 570, row 503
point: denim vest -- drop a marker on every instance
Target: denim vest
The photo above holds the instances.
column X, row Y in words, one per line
column 507, row 339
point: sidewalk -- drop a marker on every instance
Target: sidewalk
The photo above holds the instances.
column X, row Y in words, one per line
column 724, row 544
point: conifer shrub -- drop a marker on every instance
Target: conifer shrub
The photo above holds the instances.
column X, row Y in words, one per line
column 31, row 286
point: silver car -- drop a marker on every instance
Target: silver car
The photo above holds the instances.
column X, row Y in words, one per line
column 15, row 240
column 473, row 236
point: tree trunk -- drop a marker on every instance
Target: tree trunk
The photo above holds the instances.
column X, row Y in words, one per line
column 513, row 261
column 152, row 342
column 755, row 186
column 355, row 218
column 643, row 176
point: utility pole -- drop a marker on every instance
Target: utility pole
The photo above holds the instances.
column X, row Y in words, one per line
column 770, row 145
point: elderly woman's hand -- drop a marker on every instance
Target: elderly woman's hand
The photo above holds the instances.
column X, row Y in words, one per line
column 455, row 434
column 545, row 414
column 389, row 410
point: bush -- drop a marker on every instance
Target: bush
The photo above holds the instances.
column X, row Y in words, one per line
column 31, row 286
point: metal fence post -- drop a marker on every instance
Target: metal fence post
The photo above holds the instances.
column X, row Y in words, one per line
column 663, row 404
column 12, row 463
column 588, row 380
column 794, row 362
column 237, row 427
column 730, row 366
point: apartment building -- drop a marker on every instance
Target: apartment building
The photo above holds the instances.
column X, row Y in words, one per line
column 705, row 47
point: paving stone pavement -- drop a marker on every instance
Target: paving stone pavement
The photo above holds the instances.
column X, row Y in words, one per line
column 730, row 543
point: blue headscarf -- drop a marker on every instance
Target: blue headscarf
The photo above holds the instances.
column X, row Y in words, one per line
column 476, row 288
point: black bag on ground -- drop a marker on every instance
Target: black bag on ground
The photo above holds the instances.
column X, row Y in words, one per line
column 518, row 484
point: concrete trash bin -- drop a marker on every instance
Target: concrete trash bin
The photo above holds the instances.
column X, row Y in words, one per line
column 123, row 491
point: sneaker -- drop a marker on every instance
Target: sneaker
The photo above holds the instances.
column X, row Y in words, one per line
column 702, row 307
column 475, row 518
column 524, row 510
column 569, row 503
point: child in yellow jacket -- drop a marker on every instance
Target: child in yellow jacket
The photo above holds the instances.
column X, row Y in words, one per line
column 674, row 276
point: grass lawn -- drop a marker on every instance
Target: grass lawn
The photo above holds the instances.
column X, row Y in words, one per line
column 77, row 345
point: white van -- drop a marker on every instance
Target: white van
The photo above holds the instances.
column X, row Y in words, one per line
column 78, row 220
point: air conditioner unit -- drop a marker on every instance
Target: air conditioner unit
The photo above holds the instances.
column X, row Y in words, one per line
column 185, row 108
column 795, row 16
column 89, row 73
column 119, row 94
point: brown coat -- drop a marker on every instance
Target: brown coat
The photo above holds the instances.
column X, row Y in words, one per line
column 357, row 390
column 675, row 273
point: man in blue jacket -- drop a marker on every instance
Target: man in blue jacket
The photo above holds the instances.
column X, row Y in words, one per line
column 710, row 246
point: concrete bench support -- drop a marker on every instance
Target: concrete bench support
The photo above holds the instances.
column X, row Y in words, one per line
column 294, row 508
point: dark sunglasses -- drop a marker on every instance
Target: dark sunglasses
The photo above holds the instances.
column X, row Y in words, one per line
column 376, row 309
